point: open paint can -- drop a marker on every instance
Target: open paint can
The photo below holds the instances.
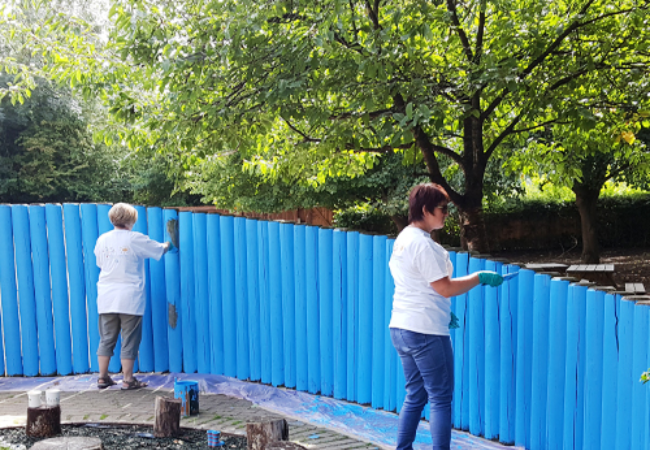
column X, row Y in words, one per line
column 188, row 392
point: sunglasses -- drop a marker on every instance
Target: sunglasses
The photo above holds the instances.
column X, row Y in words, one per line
column 443, row 208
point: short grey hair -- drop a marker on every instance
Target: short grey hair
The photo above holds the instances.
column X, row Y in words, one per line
column 122, row 215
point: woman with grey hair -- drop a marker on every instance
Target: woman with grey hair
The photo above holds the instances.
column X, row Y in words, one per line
column 121, row 299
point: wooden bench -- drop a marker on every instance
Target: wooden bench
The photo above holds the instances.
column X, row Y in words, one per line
column 547, row 267
column 602, row 274
column 635, row 288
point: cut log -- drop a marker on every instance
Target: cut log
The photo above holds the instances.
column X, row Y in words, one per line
column 284, row 445
column 43, row 422
column 168, row 417
column 260, row 434
column 69, row 443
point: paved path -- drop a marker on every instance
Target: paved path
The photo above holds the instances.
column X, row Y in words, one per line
column 218, row 412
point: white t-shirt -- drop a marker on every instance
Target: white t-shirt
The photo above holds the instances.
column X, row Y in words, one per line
column 120, row 255
column 417, row 261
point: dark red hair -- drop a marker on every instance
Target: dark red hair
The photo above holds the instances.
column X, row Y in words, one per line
column 427, row 195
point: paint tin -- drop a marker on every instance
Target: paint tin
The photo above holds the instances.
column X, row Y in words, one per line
column 35, row 399
column 188, row 392
column 214, row 439
column 52, row 397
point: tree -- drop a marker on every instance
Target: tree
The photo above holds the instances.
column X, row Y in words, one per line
column 584, row 159
column 315, row 88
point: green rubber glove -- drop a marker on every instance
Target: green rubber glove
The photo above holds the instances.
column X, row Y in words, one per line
column 454, row 322
column 488, row 278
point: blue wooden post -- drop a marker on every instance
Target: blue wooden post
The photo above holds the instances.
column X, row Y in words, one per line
column 390, row 356
column 556, row 361
column 364, row 371
column 461, row 352
column 186, row 251
column 265, row 306
column 145, row 356
column 352, row 238
column 158, row 295
column 77, row 288
column 639, row 438
column 253, row 300
column 89, row 235
column 339, row 313
column 9, row 296
column 228, row 299
column 41, row 265
column 492, row 355
column 201, row 288
column 541, row 299
column 300, row 261
column 508, row 370
column 213, row 244
column 524, row 357
column 575, row 367
column 379, row 329
column 325, row 255
column 313, row 323
column 241, row 291
column 28, row 331
column 59, row 276
column 593, row 391
column 288, row 304
column 610, row 371
column 477, row 352
column 626, row 377
column 173, row 294
column 275, row 301
column 104, row 225
column 452, row 331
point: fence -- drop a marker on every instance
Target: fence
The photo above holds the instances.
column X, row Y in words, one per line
column 539, row 362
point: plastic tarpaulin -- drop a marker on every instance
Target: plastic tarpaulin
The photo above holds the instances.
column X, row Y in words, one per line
column 349, row 419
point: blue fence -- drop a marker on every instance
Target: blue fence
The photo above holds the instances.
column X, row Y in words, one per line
column 540, row 362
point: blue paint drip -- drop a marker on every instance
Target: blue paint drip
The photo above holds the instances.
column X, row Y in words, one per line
column 202, row 309
column 41, row 266
column 158, row 294
column 173, row 291
column 29, row 334
column 213, row 244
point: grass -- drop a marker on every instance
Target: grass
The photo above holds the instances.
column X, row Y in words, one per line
column 103, row 416
column 86, row 417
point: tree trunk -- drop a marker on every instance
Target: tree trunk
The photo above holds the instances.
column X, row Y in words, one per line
column 168, row 417
column 473, row 235
column 400, row 222
column 43, row 422
column 262, row 433
column 586, row 200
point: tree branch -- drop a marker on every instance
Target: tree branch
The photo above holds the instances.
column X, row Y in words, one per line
column 306, row 138
column 507, row 131
column 451, row 6
column 384, row 149
column 480, row 33
column 373, row 114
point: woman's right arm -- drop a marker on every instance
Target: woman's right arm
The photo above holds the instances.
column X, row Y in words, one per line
column 450, row 287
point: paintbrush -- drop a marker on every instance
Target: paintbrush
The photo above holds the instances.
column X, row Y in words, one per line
column 172, row 230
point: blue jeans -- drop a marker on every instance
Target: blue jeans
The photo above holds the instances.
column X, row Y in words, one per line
column 428, row 363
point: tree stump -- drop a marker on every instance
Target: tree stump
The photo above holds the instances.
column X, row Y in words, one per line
column 44, row 421
column 284, row 445
column 260, row 434
column 69, row 443
column 168, row 417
